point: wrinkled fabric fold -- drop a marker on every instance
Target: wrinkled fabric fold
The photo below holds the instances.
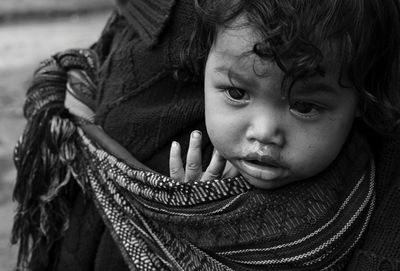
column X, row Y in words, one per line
column 150, row 17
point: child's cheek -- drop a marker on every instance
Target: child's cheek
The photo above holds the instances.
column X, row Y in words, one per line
column 320, row 149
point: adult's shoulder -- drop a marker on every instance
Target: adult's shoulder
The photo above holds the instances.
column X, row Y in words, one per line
column 150, row 18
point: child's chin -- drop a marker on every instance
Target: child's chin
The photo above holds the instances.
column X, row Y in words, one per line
column 267, row 184
column 264, row 177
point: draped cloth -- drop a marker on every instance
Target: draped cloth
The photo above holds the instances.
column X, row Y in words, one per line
column 161, row 224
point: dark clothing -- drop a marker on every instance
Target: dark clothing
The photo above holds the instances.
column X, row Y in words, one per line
column 140, row 105
column 137, row 90
column 380, row 249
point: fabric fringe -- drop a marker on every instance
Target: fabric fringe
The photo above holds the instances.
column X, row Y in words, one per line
column 45, row 157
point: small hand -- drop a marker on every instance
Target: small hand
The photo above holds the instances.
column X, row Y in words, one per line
column 218, row 165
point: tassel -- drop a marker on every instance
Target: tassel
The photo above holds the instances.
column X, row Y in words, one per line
column 44, row 184
column 46, row 157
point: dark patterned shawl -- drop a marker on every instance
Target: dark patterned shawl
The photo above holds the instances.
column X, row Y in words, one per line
column 160, row 224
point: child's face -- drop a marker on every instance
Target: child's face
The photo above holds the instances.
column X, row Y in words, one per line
column 271, row 141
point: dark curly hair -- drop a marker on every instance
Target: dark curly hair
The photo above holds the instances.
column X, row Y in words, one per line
column 366, row 33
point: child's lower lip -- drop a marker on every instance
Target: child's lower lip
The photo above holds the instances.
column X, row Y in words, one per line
column 261, row 171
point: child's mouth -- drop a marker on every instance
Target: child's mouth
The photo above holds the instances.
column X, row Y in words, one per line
column 263, row 160
column 263, row 164
column 261, row 173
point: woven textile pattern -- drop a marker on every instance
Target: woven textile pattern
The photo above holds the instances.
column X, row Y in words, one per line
column 161, row 224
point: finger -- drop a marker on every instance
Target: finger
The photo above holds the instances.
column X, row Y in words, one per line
column 176, row 171
column 193, row 170
column 215, row 168
column 230, row 171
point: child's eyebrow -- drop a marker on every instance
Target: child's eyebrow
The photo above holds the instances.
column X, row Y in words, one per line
column 309, row 87
column 248, row 81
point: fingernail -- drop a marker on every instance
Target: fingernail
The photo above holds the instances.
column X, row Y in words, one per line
column 196, row 134
column 175, row 144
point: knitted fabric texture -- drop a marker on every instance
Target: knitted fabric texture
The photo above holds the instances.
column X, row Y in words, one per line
column 160, row 224
column 136, row 86
column 381, row 248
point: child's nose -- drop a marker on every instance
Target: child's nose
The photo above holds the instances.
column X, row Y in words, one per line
column 266, row 129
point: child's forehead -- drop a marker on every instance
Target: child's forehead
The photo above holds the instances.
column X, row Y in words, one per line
column 235, row 45
column 235, row 40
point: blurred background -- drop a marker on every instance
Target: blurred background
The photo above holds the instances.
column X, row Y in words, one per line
column 31, row 30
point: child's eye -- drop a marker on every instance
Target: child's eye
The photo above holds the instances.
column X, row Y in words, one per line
column 236, row 94
column 304, row 109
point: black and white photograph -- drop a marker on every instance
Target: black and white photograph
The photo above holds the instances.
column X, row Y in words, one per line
column 190, row 135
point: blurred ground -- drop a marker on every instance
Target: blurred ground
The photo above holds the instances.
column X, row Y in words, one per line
column 13, row 10
column 22, row 45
